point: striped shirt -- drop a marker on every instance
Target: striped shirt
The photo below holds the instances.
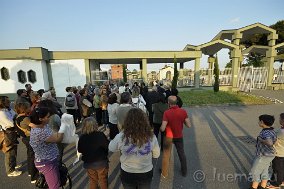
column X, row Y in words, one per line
column 263, row 149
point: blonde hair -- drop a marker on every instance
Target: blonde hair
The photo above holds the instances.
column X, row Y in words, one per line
column 89, row 125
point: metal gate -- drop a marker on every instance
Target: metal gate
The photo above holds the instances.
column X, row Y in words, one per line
column 252, row 78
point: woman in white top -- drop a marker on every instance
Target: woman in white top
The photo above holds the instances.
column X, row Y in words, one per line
column 137, row 145
column 8, row 137
column 112, row 117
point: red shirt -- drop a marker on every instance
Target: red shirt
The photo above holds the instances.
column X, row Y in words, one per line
column 175, row 117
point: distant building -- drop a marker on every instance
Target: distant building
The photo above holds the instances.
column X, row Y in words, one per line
column 152, row 76
column 117, row 71
column 166, row 73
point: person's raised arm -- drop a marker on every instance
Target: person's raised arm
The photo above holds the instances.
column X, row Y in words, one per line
column 57, row 137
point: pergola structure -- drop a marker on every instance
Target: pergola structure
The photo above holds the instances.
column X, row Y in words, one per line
column 232, row 40
column 229, row 39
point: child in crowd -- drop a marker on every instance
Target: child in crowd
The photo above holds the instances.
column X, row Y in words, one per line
column 278, row 162
column 94, row 148
column 265, row 152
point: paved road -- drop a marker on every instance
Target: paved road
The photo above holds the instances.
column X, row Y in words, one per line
column 219, row 148
column 271, row 94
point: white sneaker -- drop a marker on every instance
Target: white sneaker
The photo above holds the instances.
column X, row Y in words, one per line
column 19, row 166
column 15, row 173
column 33, row 181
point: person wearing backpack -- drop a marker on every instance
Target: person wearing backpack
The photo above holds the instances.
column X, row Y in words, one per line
column 138, row 100
column 70, row 103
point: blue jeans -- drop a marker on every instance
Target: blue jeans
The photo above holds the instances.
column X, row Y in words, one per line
column 259, row 170
column 51, row 172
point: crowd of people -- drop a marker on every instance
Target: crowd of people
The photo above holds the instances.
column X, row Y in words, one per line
column 136, row 117
column 132, row 114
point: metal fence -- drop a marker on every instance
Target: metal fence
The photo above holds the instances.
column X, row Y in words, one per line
column 278, row 76
column 248, row 78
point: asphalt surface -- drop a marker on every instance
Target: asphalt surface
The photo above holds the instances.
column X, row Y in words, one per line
column 219, row 148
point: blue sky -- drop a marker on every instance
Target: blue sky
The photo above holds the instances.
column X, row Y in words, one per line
column 121, row 25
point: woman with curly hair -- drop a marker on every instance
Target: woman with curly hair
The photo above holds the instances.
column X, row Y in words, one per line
column 137, row 145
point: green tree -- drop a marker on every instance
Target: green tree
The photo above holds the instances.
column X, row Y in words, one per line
column 279, row 27
column 216, row 75
column 124, row 73
column 175, row 78
column 229, row 64
column 261, row 39
column 255, row 60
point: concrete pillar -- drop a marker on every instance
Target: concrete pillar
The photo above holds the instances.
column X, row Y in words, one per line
column 87, row 70
column 49, row 75
column 144, row 70
column 270, row 56
column 235, row 56
column 180, row 73
column 272, row 39
column 196, row 72
column 236, row 38
column 211, row 61
column 93, row 68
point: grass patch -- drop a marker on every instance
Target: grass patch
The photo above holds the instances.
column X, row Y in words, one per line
column 222, row 97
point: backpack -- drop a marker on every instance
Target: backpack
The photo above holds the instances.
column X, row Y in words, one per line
column 70, row 100
column 140, row 105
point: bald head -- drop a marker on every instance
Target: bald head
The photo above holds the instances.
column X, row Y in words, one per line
column 172, row 100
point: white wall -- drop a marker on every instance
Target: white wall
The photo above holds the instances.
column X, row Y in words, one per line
column 67, row 73
column 12, row 85
column 45, row 75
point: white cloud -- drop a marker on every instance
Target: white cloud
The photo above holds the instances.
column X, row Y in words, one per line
column 235, row 20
